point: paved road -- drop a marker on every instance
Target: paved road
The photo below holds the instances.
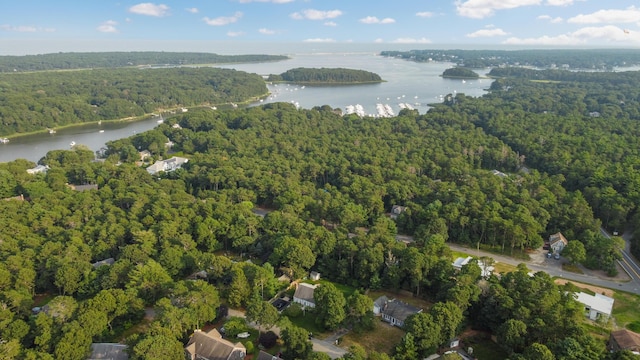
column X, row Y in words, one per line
column 552, row 267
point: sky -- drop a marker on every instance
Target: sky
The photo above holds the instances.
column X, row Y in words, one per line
column 34, row 26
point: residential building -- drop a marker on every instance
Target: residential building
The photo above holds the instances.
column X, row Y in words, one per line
column 40, row 169
column 595, row 305
column 314, row 275
column 144, row 154
column 108, row 351
column 396, row 210
column 83, row 187
column 393, row 311
column 624, row 340
column 304, row 295
column 107, row 262
column 167, row 165
column 211, row 346
column 266, row 356
column 557, row 242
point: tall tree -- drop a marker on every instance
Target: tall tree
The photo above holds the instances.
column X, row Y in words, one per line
column 330, row 306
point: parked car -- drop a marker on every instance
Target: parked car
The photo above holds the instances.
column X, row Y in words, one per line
column 556, row 256
column 549, row 255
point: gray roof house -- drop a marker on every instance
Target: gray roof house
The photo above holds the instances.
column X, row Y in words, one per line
column 595, row 306
column 108, row 351
column 393, row 311
column 557, row 242
column 168, row 165
column 211, row 346
column 304, row 295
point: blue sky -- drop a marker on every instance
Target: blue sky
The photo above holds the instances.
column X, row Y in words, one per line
column 425, row 23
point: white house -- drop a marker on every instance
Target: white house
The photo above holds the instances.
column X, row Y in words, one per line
column 557, row 242
column 595, row 305
column 40, row 169
column 304, row 295
column 167, row 165
column 485, row 271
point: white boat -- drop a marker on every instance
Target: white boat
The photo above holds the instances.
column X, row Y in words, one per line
column 72, row 144
column 160, row 121
column 101, row 131
column 51, row 131
column 4, row 141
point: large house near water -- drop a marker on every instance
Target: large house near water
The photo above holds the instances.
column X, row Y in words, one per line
column 168, row 165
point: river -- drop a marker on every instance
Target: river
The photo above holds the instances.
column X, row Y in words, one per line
column 406, row 82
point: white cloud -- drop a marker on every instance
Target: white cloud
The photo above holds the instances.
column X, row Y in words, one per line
column 319, row 40
column 629, row 15
column 108, row 26
column 478, row 9
column 412, row 41
column 561, row 2
column 266, row 31
column 375, row 20
column 235, row 33
column 607, row 33
column 487, row 33
column 193, row 10
column 425, row 14
column 553, row 20
column 18, row 28
column 150, row 9
column 330, row 23
column 223, row 20
column 378, row 40
column 269, row 1
column 312, row 14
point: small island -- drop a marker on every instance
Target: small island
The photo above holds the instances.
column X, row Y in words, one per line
column 326, row 76
column 460, row 73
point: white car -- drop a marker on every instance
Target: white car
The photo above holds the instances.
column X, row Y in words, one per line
column 244, row 335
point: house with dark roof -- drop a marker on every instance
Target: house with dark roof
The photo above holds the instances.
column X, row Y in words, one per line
column 557, row 242
column 624, row 340
column 393, row 311
column 304, row 295
column 211, row 346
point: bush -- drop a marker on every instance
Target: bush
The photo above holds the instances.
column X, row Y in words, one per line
column 268, row 339
column 293, row 311
column 234, row 326
column 249, row 346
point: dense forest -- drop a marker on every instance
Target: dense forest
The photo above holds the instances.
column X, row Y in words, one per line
column 601, row 59
column 325, row 176
column 77, row 60
column 144, row 260
column 460, row 73
column 326, row 76
column 40, row 100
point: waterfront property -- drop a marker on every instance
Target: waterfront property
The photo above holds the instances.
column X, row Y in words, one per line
column 168, row 165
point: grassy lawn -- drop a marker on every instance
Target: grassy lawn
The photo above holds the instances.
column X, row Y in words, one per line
column 345, row 289
column 514, row 253
column 485, row 349
column 307, row 321
column 382, row 339
column 625, row 310
column 571, row 268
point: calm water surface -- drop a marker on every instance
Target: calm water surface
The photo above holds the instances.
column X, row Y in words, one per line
column 406, row 82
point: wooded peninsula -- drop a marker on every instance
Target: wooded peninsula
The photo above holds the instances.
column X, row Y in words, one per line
column 112, row 250
column 326, row 76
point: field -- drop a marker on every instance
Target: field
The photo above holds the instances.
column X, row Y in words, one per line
column 382, row 339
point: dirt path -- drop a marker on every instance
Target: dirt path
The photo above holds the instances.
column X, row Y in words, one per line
column 595, row 289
